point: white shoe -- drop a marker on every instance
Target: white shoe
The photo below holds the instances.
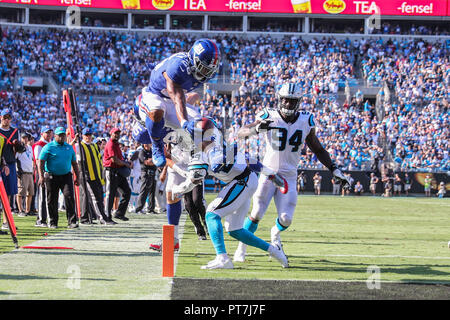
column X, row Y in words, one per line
column 276, row 252
column 239, row 254
column 275, row 235
column 219, row 263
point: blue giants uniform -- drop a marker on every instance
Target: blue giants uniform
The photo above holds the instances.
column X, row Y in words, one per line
column 188, row 70
column 178, row 69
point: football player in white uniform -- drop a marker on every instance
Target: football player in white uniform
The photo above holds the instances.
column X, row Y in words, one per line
column 233, row 201
column 285, row 130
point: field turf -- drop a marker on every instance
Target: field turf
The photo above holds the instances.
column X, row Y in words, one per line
column 334, row 245
column 337, row 248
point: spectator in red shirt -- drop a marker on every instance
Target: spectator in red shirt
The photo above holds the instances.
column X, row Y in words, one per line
column 117, row 170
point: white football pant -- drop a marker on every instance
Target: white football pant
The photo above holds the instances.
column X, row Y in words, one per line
column 233, row 202
column 285, row 203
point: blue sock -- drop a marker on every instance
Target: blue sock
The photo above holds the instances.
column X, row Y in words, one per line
column 155, row 129
column 279, row 226
column 249, row 238
column 250, row 225
column 215, row 229
column 174, row 213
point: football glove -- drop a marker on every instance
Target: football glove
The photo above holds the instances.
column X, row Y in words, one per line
column 197, row 171
column 279, row 182
column 344, row 180
column 263, row 125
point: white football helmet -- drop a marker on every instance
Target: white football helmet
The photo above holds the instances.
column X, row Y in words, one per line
column 289, row 96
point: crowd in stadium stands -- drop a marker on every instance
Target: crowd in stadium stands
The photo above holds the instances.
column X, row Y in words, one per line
column 397, row 29
column 138, row 53
column 416, row 126
column 84, row 60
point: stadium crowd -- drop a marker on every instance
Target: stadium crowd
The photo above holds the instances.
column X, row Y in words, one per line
column 415, row 69
column 415, row 124
column 84, row 60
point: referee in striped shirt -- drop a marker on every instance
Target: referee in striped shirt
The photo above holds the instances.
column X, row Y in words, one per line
column 92, row 198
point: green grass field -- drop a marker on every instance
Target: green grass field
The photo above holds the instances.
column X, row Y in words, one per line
column 331, row 245
column 28, row 233
column 338, row 238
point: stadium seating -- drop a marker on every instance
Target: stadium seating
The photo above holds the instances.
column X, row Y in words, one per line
column 415, row 123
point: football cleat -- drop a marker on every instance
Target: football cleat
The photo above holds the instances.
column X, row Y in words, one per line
column 279, row 182
column 276, row 252
column 219, row 262
column 158, row 157
column 239, row 254
column 158, row 246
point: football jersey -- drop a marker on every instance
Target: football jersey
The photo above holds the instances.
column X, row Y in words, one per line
column 225, row 163
column 284, row 141
column 178, row 68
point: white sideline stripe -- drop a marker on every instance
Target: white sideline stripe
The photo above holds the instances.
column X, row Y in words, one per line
column 370, row 256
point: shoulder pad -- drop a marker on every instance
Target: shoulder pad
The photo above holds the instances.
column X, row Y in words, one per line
column 264, row 114
column 308, row 116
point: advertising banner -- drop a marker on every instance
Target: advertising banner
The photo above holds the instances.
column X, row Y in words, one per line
column 330, row 7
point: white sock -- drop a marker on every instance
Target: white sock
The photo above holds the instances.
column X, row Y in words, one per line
column 275, row 232
column 175, row 233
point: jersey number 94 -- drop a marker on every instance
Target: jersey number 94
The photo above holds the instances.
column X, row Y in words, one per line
column 280, row 139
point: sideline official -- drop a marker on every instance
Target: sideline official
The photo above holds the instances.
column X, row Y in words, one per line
column 55, row 163
column 91, row 199
column 148, row 182
column 116, row 176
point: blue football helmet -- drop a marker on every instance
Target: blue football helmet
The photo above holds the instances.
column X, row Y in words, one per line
column 204, row 56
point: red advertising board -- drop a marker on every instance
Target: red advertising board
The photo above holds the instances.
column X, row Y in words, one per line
column 331, row 7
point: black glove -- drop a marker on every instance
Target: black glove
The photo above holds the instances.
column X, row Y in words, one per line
column 344, row 180
column 263, row 125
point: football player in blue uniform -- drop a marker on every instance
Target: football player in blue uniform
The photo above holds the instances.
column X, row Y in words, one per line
column 163, row 102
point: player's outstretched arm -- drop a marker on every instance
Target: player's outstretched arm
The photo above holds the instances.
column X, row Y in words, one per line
column 248, row 130
column 176, row 93
column 316, row 147
column 254, row 128
column 197, row 173
column 314, row 144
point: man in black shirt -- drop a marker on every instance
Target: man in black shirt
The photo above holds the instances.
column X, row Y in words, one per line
column 148, row 182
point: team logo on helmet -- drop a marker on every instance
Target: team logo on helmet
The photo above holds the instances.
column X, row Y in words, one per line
column 204, row 56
